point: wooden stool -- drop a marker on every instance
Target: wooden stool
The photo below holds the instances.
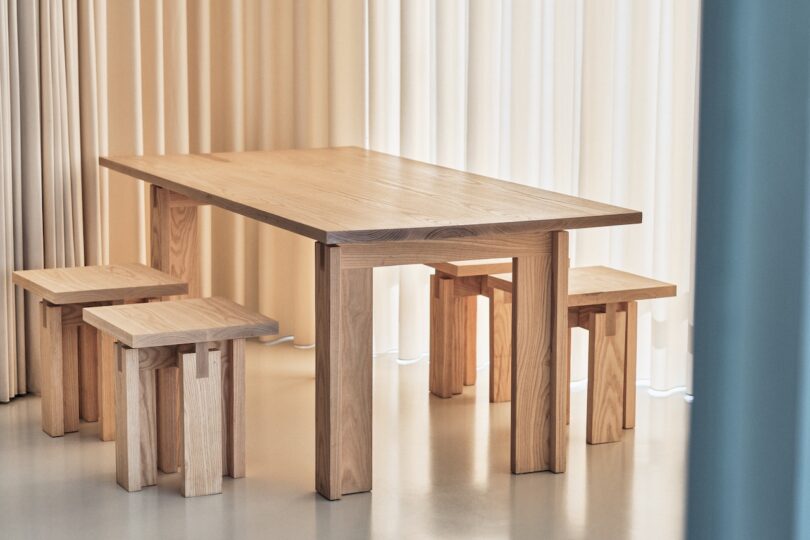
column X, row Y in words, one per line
column 201, row 342
column 76, row 364
column 601, row 300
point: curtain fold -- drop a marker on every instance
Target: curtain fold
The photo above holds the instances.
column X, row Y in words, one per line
column 595, row 99
column 590, row 98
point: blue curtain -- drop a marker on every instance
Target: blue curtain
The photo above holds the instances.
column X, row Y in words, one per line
column 750, row 442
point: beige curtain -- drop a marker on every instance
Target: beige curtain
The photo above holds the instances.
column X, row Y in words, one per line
column 592, row 98
column 226, row 76
column 40, row 168
column 102, row 77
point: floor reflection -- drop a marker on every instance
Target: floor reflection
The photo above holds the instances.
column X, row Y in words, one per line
column 441, row 470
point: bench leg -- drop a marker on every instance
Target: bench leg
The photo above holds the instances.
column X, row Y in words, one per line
column 52, row 385
column 70, row 376
column 447, row 333
column 200, row 399
column 106, row 386
column 128, row 419
column 168, row 419
column 234, row 410
column 88, row 376
column 468, row 306
column 606, row 358
column 630, row 366
column 500, row 346
column 148, row 426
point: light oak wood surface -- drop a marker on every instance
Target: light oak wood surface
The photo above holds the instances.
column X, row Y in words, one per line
column 181, row 321
column 106, row 386
column 88, row 284
column 200, row 401
column 88, row 373
column 595, row 285
column 127, row 420
column 480, row 267
column 52, row 402
column 605, row 377
column 347, row 195
column 174, row 238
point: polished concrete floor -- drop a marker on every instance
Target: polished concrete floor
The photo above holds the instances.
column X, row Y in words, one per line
column 441, row 470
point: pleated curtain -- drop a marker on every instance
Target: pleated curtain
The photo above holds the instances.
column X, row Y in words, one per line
column 229, row 76
column 98, row 77
column 596, row 99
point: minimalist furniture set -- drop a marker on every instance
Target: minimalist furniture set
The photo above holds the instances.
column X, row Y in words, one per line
column 177, row 366
column 601, row 300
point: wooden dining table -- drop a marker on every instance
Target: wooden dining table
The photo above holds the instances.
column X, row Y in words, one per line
column 366, row 209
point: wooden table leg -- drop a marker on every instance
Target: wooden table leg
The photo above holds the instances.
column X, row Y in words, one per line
column 343, row 375
column 174, row 250
column 175, row 247
column 539, row 366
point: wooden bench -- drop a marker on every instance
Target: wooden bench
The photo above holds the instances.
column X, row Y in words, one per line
column 76, row 364
column 601, row 300
column 201, row 343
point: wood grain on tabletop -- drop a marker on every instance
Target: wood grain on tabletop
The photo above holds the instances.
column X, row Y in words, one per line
column 350, row 195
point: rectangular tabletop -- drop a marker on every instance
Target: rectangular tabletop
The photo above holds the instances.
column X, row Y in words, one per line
column 352, row 195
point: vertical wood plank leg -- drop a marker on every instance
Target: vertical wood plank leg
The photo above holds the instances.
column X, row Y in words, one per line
column 605, row 377
column 168, row 419
column 200, row 397
column 88, row 373
column 356, row 379
column 70, row 376
column 52, row 402
column 128, row 419
column 174, row 243
column 467, row 346
column 500, row 346
column 630, row 366
column 106, row 386
column 235, row 410
column 327, row 371
column 539, row 374
column 343, row 376
column 447, row 317
column 148, row 424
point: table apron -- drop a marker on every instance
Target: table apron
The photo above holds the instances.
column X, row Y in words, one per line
column 377, row 254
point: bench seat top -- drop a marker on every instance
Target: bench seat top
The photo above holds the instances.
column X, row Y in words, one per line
column 179, row 322
column 87, row 284
column 597, row 285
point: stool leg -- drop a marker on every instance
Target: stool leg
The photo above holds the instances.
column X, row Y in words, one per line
column 88, row 376
column 52, row 385
column 630, row 366
column 605, row 377
column 568, row 400
column 168, row 419
column 446, row 335
column 106, row 386
column 234, row 410
column 127, row 419
column 201, row 411
column 500, row 346
column 148, row 426
column 70, row 376
column 469, row 307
